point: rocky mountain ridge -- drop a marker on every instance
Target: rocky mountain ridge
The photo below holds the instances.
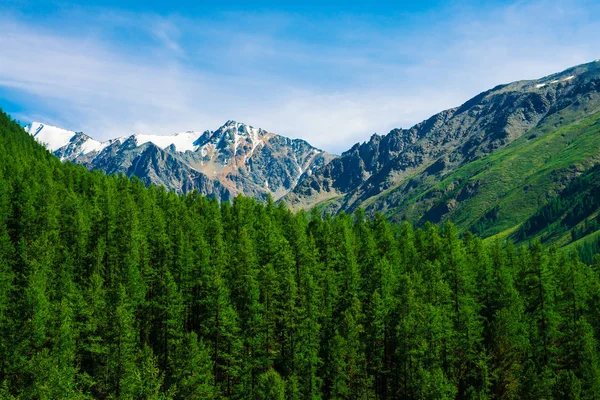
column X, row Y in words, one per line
column 234, row 159
column 384, row 172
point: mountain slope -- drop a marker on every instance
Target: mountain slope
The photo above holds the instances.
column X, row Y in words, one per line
column 438, row 170
column 427, row 152
column 498, row 192
column 571, row 217
column 234, row 159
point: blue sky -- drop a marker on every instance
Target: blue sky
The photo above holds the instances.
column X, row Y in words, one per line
column 332, row 73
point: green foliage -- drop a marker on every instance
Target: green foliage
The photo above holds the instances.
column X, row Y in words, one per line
column 495, row 194
column 270, row 386
column 112, row 290
column 575, row 210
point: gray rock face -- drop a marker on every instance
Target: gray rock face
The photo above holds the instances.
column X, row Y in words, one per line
column 424, row 154
column 234, row 159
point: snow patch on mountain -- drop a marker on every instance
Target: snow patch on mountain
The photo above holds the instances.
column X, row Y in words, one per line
column 232, row 135
column 50, row 136
column 568, row 78
column 55, row 138
column 182, row 141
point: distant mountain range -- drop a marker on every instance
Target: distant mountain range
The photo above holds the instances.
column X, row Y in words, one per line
column 489, row 166
column 234, row 159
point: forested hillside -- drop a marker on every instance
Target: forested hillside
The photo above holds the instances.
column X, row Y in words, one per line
column 109, row 289
column 572, row 216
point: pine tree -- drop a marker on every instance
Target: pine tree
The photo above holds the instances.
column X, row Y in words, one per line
column 466, row 346
column 168, row 326
column 121, row 347
column 270, row 386
column 287, row 317
column 222, row 330
column 194, row 373
column 7, row 288
column 507, row 333
column 308, row 359
column 538, row 292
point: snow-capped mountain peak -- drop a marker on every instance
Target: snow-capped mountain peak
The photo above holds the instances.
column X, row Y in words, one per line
column 55, row 138
column 232, row 133
column 235, row 158
column 184, row 141
column 52, row 137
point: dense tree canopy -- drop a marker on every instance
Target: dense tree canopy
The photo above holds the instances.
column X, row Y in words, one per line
column 109, row 289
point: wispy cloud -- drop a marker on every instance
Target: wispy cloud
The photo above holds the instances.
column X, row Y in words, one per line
column 331, row 81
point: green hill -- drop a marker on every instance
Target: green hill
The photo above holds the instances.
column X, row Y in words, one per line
column 570, row 218
column 495, row 194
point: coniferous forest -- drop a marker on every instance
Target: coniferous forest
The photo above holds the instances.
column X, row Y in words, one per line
column 112, row 290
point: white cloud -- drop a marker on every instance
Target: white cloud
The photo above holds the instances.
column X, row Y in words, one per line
column 176, row 74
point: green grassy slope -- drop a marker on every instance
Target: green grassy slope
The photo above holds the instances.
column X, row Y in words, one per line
column 495, row 194
column 571, row 218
